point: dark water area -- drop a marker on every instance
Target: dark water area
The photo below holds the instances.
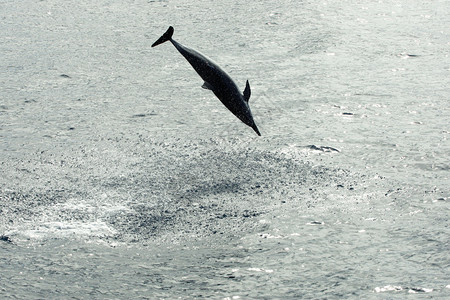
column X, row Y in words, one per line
column 121, row 178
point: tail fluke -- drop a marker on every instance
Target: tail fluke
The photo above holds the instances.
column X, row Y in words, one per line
column 165, row 37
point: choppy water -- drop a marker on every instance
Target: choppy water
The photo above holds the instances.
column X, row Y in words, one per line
column 122, row 179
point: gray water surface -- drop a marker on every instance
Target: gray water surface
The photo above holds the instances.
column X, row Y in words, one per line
column 121, row 178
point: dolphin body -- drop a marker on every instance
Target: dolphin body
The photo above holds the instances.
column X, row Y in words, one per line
column 216, row 80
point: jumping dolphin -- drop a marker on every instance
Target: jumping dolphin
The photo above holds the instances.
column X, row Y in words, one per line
column 216, row 80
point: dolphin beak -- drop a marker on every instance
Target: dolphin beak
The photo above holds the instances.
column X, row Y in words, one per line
column 256, row 129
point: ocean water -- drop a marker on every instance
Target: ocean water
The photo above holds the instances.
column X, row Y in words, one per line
column 121, row 178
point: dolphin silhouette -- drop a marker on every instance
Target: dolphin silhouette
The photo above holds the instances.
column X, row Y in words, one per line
column 216, row 80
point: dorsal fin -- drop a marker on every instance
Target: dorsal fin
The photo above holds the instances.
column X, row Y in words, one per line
column 247, row 92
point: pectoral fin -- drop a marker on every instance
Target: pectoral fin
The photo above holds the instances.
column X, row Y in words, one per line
column 207, row 86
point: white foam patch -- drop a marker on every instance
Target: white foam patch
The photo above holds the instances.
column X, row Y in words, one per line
column 388, row 288
column 396, row 288
column 74, row 218
column 101, row 207
column 260, row 270
column 68, row 229
column 419, row 290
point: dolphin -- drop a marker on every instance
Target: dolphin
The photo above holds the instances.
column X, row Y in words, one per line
column 216, row 80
